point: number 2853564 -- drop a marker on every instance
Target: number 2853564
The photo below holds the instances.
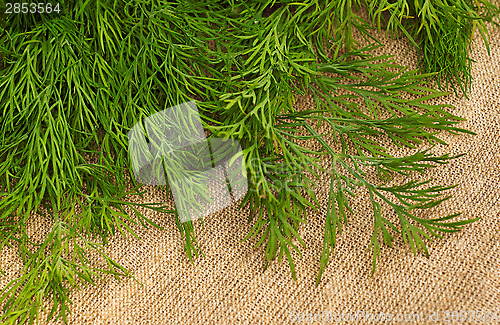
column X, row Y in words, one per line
column 31, row 8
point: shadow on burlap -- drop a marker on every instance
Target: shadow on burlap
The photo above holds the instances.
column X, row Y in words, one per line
column 229, row 286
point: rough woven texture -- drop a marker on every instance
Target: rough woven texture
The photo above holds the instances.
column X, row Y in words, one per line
column 229, row 287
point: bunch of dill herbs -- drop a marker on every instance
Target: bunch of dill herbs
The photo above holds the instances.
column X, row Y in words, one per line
column 73, row 83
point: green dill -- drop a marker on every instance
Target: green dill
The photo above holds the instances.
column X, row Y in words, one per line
column 73, row 84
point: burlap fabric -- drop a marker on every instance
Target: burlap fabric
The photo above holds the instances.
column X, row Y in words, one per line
column 228, row 286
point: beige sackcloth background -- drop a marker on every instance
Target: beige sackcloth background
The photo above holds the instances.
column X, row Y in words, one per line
column 229, row 286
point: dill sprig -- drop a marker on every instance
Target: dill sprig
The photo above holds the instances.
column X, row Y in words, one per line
column 442, row 31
